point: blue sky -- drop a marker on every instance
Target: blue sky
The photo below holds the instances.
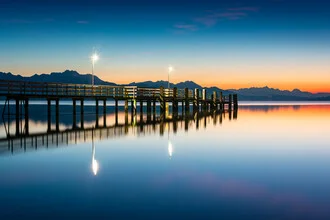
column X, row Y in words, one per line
column 255, row 42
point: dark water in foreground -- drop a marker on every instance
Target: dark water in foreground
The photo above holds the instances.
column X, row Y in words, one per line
column 272, row 162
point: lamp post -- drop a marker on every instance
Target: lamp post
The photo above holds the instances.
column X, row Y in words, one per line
column 170, row 69
column 94, row 58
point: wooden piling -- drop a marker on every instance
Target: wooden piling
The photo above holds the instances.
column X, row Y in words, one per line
column 82, row 113
column 204, row 94
column 49, row 119
column 148, row 110
column 221, row 101
column 196, row 100
column 141, row 111
column 126, row 106
column 154, row 109
column 57, row 114
column 133, row 107
column 175, row 102
column 126, row 120
column 74, row 118
column 26, row 116
column 186, row 98
column 97, row 113
column 162, row 100
column 230, row 102
column 116, row 111
column 214, row 101
column 17, row 116
column 235, row 101
column 105, row 112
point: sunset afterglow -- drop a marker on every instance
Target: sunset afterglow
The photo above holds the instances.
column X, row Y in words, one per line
column 279, row 44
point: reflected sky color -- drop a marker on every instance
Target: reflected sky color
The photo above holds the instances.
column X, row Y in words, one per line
column 270, row 163
column 282, row 44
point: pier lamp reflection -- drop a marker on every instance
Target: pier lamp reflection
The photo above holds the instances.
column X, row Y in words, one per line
column 169, row 144
column 95, row 163
column 170, row 149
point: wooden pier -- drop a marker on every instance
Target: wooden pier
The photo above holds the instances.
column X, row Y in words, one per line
column 22, row 92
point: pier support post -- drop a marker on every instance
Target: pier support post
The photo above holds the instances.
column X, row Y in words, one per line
column 126, row 115
column 116, row 112
column 57, row 114
column 141, row 111
column 186, row 97
column 26, row 116
column 154, row 110
column 196, row 100
column 175, row 102
column 97, row 113
column 82, row 113
column 133, row 111
column 49, row 118
column 204, row 100
column 149, row 110
column 214, row 101
column 235, row 101
column 133, row 107
column 230, row 102
column 126, row 106
column 104, row 112
column 162, row 100
column 221, row 101
column 17, row 117
column 74, row 118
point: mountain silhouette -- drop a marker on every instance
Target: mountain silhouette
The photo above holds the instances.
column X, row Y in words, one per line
column 247, row 94
column 68, row 76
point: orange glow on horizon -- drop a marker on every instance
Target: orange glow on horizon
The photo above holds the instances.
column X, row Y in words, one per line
column 222, row 77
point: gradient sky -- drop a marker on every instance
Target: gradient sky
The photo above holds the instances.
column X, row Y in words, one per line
column 231, row 44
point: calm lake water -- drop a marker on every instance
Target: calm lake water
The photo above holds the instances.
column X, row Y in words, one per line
column 272, row 161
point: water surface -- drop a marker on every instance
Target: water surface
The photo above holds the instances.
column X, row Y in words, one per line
column 272, row 162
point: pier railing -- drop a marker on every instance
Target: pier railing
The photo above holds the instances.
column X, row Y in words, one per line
column 63, row 90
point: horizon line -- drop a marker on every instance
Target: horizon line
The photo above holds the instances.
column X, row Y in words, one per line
column 173, row 83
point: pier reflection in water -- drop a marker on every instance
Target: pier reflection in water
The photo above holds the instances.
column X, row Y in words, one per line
column 117, row 125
